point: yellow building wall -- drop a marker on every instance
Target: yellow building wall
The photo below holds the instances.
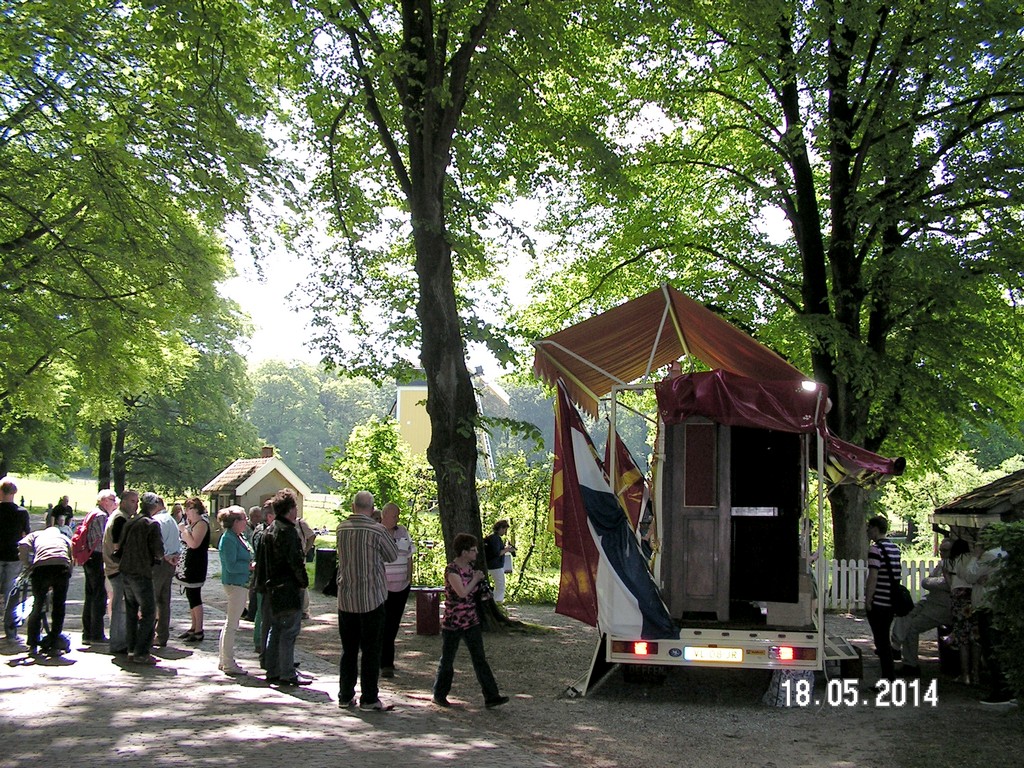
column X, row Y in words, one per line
column 413, row 421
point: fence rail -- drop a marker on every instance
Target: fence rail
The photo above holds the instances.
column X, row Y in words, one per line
column 846, row 579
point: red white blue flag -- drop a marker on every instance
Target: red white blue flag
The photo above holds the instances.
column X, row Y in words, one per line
column 605, row 581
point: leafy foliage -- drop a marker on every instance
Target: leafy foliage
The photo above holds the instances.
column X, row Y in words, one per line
column 1006, row 601
column 303, row 411
column 184, row 431
column 375, row 459
column 519, row 493
column 128, row 133
column 842, row 180
column 913, row 500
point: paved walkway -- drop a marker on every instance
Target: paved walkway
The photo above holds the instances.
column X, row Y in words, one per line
column 90, row 709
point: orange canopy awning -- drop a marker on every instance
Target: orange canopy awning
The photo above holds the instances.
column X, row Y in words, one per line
column 627, row 343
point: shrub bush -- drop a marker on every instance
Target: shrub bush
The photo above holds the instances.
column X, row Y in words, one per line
column 1008, row 599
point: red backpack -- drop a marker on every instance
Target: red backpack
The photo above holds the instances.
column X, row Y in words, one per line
column 80, row 551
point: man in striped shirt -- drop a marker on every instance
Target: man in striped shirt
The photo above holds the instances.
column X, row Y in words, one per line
column 884, row 570
column 364, row 546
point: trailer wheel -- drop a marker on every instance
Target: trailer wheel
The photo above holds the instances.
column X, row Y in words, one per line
column 852, row 668
column 644, row 674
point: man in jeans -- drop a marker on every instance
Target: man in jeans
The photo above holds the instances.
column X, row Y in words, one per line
column 364, row 546
column 142, row 547
column 46, row 555
column 281, row 572
column 94, row 606
column 14, row 524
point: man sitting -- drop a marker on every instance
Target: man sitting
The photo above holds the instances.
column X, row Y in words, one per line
column 933, row 610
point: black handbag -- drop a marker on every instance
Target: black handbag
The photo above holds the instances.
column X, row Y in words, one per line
column 902, row 601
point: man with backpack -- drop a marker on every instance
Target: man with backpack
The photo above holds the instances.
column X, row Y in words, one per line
column 87, row 551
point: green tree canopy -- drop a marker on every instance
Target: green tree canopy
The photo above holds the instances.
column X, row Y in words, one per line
column 885, row 139
column 304, row 412
column 128, row 132
column 427, row 114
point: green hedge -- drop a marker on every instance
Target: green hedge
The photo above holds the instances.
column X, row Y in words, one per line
column 1008, row 599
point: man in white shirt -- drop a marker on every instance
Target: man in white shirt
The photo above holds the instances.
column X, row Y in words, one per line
column 933, row 610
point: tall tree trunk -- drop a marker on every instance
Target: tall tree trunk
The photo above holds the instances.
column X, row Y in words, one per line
column 106, row 448
column 119, row 463
column 849, row 514
column 451, row 403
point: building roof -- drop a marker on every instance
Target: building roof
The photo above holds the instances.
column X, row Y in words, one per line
column 234, row 475
column 1000, row 501
column 243, row 474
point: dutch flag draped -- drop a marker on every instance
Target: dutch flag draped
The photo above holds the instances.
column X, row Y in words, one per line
column 605, row 581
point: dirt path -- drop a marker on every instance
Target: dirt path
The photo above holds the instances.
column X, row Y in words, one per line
column 696, row 717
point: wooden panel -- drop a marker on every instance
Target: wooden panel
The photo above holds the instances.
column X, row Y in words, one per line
column 695, row 559
column 700, row 543
column 699, row 489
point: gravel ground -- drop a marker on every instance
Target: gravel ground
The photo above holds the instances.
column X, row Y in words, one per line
column 695, row 717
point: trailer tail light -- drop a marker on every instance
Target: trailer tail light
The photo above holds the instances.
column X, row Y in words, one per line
column 635, row 647
column 790, row 653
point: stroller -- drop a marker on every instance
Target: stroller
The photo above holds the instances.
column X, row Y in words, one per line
column 21, row 597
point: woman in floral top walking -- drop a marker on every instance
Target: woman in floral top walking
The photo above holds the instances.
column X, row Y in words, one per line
column 461, row 621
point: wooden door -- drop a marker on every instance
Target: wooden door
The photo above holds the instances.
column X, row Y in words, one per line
column 696, row 519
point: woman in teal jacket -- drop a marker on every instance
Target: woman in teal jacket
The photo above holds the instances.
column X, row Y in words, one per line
column 235, row 566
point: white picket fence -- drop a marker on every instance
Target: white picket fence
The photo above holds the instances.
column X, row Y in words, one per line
column 846, row 580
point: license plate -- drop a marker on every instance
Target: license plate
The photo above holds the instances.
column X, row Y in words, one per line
column 733, row 655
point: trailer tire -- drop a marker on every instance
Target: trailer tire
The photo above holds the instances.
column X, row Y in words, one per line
column 644, row 674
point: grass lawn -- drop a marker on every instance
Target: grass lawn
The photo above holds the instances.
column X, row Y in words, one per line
column 40, row 491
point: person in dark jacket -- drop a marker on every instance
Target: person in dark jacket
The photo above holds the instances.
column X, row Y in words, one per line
column 281, row 571
column 142, row 547
column 64, row 510
column 14, row 523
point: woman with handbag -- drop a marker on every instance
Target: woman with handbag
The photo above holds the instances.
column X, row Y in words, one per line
column 195, row 534
column 884, row 573
column 236, row 561
column 462, row 621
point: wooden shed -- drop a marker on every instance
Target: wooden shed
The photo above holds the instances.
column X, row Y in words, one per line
column 250, row 482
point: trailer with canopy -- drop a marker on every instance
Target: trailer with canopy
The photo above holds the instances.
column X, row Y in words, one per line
column 719, row 567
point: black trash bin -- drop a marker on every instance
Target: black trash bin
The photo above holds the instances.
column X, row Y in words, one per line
column 325, row 568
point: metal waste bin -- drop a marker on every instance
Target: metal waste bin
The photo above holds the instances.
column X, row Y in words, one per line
column 325, row 567
column 428, row 610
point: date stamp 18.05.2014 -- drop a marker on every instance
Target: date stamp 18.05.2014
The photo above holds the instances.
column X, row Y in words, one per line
column 842, row 692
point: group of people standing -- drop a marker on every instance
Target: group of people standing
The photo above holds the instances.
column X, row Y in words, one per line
column 957, row 594
column 132, row 549
column 373, row 582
